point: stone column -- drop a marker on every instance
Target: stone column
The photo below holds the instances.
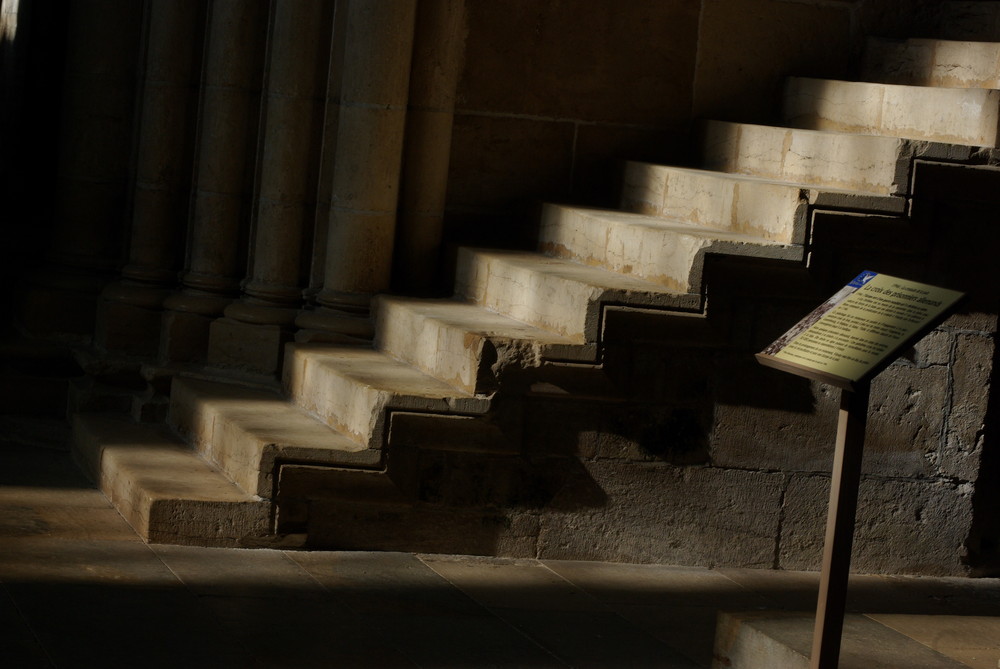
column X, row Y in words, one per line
column 372, row 119
column 438, row 55
column 220, row 205
column 93, row 164
column 256, row 327
column 129, row 312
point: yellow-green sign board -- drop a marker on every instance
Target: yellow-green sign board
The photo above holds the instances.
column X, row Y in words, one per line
column 849, row 337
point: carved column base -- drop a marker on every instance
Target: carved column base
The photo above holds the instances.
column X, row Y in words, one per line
column 185, row 325
column 128, row 319
column 334, row 326
column 251, row 337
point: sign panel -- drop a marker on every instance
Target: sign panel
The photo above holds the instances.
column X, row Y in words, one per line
column 848, row 337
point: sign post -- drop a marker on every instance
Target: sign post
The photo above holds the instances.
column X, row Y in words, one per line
column 845, row 342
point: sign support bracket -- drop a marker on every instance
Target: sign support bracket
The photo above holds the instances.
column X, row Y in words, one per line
column 841, row 517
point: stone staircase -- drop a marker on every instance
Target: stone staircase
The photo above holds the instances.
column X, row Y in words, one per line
column 413, row 443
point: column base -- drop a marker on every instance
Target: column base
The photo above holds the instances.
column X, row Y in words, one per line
column 252, row 347
column 333, row 325
column 128, row 319
column 185, row 325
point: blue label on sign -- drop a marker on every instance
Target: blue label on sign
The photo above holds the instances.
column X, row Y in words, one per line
column 862, row 279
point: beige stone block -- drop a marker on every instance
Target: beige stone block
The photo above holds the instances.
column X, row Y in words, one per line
column 932, row 62
column 954, row 116
column 351, row 388
column 246, row 432
column 666, row 252
column 163, row 488
column 972, row 640
column 769, row 210
column 746, row 47
column 523, row 57
column 903, row 527
column 463, row 344
column 567, row 295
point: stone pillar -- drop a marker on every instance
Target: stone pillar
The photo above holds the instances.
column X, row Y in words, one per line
column 91, row 182
column 255, row 328
column 372, row 119
column 438, row 55
column 220, row 204
column 129, row 312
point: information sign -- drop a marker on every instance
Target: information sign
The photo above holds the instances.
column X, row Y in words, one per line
column 851, row 336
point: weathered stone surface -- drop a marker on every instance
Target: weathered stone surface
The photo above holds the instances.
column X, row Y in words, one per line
column 245, row 432
column 661, row 513
column 972, row 387
column 932, row 62
column 250, row 346
column 351, row 388
column 774, row 211
column 464, row 344
column 667, row 252
column 905, row 527
column 567, row 295
column 951, row 115
column 166, row 491
column 853, row 162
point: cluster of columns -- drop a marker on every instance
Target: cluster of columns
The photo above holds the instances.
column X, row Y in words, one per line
column 259, row 162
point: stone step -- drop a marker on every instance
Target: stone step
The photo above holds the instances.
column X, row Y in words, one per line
column 463, row 343
column 862, row 163
column 970, row 20
column 555, row 294
column 353, row 389
column 966, row 116
column 163, row 488
column 248, row 432
column 774, row 210
column 667, row 252
column 932, row 62
column 768, row 639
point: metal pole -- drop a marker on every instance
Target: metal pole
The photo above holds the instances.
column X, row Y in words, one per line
column 840, row 527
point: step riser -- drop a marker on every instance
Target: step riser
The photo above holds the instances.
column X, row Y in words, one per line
column 870, row 164
column 920, row 62
column 773, row 211
column 956, row 116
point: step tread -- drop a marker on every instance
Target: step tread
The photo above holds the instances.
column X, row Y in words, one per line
column 814, row 194
column 271, row 419
column 874, row 164
column 932, row 62
column 160, row 464
column 965, row 116
column 379, row 371
column 476, row 320
column 677, row 226
column 165, row 489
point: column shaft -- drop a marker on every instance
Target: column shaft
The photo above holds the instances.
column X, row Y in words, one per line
column 129, row 318
column 378, row 52
column 256, row 327
column 229, row 112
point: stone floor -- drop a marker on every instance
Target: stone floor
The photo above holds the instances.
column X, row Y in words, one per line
column 79, row 589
